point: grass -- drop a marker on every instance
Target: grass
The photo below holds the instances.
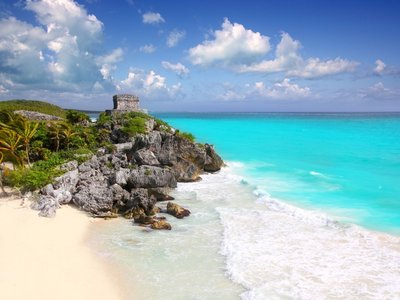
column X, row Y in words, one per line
column 33, row 105
column 186, row 135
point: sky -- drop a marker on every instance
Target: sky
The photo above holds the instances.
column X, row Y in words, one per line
column 203, row 56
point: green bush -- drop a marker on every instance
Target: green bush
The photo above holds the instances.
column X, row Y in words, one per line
column 133, row 126
column 44, row 171
column 74, row 117
column 103, row 119
column 30, row 179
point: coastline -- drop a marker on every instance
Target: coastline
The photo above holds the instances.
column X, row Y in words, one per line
column 48, row 258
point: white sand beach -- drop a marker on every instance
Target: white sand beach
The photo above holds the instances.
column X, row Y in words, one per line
column 42, row 258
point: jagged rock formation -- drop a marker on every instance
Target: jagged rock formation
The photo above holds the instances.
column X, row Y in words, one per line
column 130, row 180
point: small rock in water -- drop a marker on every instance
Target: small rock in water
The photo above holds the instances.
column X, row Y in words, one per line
column 160, row 224
column 177, row 210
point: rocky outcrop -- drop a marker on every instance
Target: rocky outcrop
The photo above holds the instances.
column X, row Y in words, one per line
column 133, row 178
column 34, row 115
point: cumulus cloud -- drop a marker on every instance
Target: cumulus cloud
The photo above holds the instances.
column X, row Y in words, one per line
column 380, row 66
column 147, row 48
column 174, row 37
column 149, row 84
column 61, row 53
column 284, row 89
column 178, row 68
column 232, row 44
column 287, row 59
column 152, row 18
column 241, row 50
column 382, row 69
column 108, row 61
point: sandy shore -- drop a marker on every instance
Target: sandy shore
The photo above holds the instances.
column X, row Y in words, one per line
column 43, row 258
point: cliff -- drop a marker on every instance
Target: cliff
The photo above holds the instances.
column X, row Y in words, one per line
column 130, row 177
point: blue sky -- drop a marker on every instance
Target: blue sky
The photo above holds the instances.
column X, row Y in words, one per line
column 203, row 55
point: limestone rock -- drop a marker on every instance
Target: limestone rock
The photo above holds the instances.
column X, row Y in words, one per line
column 33, row 115
column 160, row 224
column 146, row 157
column 161, row 194
column 95, row 198
column 47, row 206
column 213, row 161
column 151, row 177
column 186, row 171
column 177, row 210
column 123, row 147
column 69, row 166
column 67, row 181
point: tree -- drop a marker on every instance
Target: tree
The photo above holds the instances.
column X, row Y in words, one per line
column 26, row 130
column 67, row 132
column 10, row 143
column 55, row 133
column 1, row 175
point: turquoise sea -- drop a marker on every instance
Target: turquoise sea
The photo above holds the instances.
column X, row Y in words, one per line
column 308, row 207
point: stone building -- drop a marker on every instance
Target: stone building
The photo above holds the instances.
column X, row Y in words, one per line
column 125, row 103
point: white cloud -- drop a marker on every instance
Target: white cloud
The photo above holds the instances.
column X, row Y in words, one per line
column 3, row 90
column 152, row 18
column 147, row 48
column 174, row 37
column 281, row 90
column 149, row 84
column 231, row 45
column 241, row 49
column 285, row 90
column 314, row 68
column 107, row 63
column 177, row 68
column 287, row 59
column 380, row 66
column 61, row 53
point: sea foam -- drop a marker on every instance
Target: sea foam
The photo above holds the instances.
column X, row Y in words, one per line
column 280, row 251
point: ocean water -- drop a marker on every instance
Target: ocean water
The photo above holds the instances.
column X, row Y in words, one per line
column 308, row 207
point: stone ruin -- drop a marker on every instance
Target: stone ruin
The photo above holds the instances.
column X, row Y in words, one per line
column 125, row 103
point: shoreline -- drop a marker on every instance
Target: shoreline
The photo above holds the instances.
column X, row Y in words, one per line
column 48, row 258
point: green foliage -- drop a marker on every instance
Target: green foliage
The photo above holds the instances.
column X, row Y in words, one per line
column 103, row 119
column 38, row 151
column 33, row 105
column 77, row 117
column 81, row 155
column 185, row 135
column 134, row 125
column 30, row 179
column 10, row 146
column 44, row 171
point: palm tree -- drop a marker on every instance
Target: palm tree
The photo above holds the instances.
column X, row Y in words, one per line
column 10, row 143
column 55, row 132
column 1, row 175
column 26, row 129
column 67, row 132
